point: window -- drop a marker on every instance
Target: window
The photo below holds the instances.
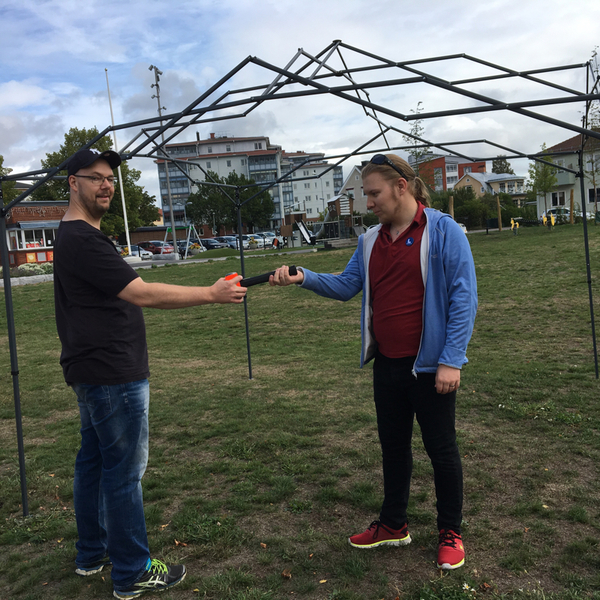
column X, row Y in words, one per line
column 307, row 186
column 502, row 188
column 356, row 178
column 327, row 182
column 258, row 145
column 34, row 238
column 511, row 187
column 482, row 190
column 243, row 162
column 307, row 198
column 228, row 148
column 592, row 197
column 449, row 181
column 468, row 187
column 208, row 164
column 228, row 163
column 558, row 198
column 14, row 241
column 295, row 186
column 438, row 179
column 468, row 169
column 305, row 173
column 210, row 149
column 451, row 168
column 309, row 211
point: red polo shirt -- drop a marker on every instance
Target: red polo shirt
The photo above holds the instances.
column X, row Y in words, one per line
column 397, row 289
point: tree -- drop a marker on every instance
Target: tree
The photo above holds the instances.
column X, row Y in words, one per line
column 141, row 210
column 209, row 205
column 542, row 178
column 8, row 187
column 417, row 130
column 501, row 165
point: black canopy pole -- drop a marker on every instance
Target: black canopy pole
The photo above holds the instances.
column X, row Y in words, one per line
column 238, row 207
column 12, row 343
column 587, row 252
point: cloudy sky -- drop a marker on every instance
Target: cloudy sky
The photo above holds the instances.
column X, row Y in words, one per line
column 53, row 56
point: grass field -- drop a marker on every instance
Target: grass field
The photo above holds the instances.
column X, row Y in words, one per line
column 256, row 484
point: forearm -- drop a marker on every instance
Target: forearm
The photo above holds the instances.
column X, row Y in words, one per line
column 167, row 296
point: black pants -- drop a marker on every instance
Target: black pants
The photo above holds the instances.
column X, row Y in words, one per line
column 399, row 396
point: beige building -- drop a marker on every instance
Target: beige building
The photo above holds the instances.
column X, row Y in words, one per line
column 493, row 183
column 352, row 187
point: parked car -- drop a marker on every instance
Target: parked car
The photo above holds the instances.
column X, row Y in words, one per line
column 234, row 242
column 256, row 238
column 212, row 244
column 268, row 241
column 141, row 252
column 564, row 214
column 224, row 239
column 182, row 245
column 156, row 247
column 272, row 237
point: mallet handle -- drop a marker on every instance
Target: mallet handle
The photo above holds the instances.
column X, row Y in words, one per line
column 264, row 278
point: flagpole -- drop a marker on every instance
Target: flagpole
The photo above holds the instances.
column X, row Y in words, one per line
column 112, row 118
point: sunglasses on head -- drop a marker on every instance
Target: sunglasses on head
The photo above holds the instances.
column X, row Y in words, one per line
column 382, row 159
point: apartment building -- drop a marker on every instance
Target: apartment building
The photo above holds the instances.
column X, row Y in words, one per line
column 311, row 183
column 442, row 172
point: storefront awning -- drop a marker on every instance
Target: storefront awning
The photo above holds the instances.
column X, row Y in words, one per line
column 38, row 224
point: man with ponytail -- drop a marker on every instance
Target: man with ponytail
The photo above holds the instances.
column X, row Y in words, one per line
column 417, row 276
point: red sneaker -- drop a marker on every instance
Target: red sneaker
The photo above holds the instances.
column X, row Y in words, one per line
column 451, row 552
column 377, row 534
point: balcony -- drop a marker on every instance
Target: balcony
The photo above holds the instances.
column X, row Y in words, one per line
column 564, row 178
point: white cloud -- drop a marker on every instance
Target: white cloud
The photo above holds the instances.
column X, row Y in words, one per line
column 22, row 94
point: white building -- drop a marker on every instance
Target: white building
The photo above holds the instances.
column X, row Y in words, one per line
column 311, row 183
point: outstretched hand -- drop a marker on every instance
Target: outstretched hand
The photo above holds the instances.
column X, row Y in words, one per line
column 282, row 277
column 226, row 291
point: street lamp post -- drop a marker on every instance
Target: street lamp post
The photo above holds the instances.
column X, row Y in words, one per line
column 160, row 109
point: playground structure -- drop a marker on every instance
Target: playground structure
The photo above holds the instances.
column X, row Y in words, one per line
column 340, row 227
column 346, row 74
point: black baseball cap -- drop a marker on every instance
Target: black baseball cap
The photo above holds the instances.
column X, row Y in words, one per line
column 84, row 158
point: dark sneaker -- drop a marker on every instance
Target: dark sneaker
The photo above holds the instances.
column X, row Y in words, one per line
column 451, row 552
column 157, row 577
column 93, row 567
column 377, row 534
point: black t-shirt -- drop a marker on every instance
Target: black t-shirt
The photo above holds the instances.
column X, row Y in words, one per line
column 103, row 337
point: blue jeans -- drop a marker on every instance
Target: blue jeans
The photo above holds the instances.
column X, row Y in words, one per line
column 398, row 398
column 107, row 490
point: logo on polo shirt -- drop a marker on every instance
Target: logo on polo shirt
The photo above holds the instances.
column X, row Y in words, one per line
column 410, row 241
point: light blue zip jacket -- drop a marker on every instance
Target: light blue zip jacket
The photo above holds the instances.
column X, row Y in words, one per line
column 450, row 297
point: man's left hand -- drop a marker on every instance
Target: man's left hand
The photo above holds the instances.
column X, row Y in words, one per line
column 447, row 379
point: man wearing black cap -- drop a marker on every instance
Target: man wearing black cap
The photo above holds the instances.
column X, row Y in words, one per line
column 98, row 299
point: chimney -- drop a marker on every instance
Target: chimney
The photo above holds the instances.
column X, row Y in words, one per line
column 212, row 136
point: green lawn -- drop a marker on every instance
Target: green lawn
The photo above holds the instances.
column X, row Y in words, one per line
column 256, row 484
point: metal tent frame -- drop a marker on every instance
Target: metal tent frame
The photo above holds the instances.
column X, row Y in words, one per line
column 351, row 75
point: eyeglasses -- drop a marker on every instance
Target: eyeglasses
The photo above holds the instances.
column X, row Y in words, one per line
column 382, row 159
column 98, row 179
